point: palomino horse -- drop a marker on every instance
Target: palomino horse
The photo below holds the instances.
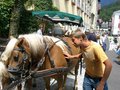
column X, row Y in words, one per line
column 29, row 50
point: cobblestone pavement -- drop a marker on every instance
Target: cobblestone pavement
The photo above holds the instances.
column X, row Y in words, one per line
column 69, row 82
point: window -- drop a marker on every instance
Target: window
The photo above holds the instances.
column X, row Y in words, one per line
column 66, row 6
column 78, row 12
column 73, row 10
column 73, row 1
column 78, row 3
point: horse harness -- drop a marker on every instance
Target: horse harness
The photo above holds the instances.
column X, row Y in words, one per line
column 40, row 63
column 47, row 51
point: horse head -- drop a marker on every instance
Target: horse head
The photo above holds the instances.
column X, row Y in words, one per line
column 19, row 61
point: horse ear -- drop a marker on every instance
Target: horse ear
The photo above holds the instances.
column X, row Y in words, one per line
column 23, row 43
column 20, row 42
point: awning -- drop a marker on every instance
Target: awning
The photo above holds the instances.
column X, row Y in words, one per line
column 59, row 17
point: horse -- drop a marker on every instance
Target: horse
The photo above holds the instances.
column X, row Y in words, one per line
column 28, row 50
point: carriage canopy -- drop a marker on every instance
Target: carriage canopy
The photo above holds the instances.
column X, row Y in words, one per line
column 59, row 17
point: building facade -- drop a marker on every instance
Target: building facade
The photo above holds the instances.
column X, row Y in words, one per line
column 115, row 23
column 87, row 9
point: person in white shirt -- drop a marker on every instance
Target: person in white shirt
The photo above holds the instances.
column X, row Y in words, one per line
column 40, row 30
column 105, row 41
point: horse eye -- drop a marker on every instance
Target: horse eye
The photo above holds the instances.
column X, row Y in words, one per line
column 16, row 58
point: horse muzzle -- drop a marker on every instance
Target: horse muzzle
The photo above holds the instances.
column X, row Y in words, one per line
column 14, row 71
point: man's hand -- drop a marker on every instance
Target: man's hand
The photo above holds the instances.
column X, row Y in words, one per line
column 100, row 87
column 68, row 56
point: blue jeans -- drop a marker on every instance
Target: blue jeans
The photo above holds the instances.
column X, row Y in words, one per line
column 118, row 52
column 91, row 83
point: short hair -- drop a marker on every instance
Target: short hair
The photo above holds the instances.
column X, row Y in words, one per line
column 41, row 26
column 79, row 34
column 78, row 30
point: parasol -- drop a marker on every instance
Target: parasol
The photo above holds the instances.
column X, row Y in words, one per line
column 59, row 17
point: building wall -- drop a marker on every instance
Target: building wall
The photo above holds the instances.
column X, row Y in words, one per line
column 116, row 23
column 87, row 9
column 94, row 15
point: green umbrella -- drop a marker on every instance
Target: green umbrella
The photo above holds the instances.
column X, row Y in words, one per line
column 57, row 16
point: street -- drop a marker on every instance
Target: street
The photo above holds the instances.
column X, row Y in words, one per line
column 114, row 80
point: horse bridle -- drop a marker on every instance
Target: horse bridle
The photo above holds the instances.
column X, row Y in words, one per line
column 21, row 71
column 28, row 74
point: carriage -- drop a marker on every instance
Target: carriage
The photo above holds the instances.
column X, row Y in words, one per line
column 32, row 56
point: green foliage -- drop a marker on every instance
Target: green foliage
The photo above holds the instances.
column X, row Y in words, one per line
column 5, row 10
column 54, row 8
column 43, row 4
column 28, row 23
column 106, row 12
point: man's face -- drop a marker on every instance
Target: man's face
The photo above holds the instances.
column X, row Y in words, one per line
column 77, row 41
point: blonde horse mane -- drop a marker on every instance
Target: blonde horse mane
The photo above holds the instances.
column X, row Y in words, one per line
column 58, row 42
column 10, row 46
column 35, row 42
column 5, row 55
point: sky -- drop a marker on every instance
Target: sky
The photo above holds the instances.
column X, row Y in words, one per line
column 107, row 2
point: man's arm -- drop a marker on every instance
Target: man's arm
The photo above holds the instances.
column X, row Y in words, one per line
column 108, row 68
column 68, row 56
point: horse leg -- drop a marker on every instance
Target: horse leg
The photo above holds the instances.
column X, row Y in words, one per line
column 64, row 81
column 47, row 82
column 28, row 84
column 76, row 73
column 60, row 82
column 75, row 83
column 34, row 82
column 19, row 87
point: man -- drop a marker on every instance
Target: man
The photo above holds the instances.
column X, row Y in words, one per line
column 98, row 66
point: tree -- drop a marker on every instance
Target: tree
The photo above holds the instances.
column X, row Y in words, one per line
column 44, row 5
column 15, row 17
column 5, row 10
column 107, row 11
